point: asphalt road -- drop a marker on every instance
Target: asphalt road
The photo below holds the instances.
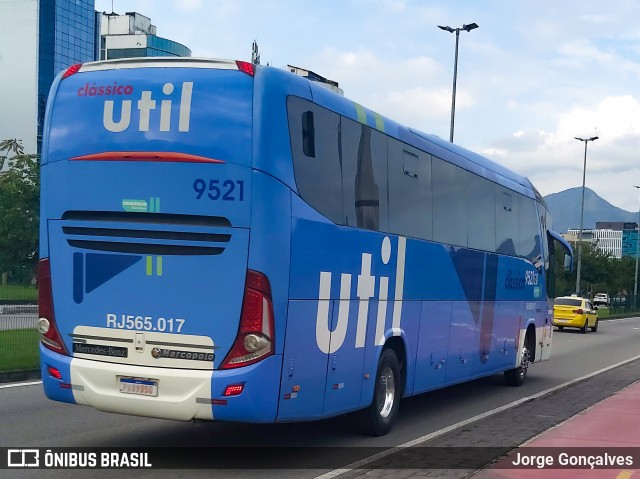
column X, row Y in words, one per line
column 29, row 419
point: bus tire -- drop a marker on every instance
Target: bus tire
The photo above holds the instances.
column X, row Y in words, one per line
column 378, row 418
column 516, row 376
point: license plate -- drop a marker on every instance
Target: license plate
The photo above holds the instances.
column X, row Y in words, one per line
column 139, row 386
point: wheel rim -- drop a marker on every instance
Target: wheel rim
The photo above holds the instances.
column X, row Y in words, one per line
column 386, row 392
column 524, row 363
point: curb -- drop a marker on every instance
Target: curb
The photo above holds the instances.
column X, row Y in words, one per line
column 18, row 376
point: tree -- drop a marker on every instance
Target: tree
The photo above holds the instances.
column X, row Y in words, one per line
column 19, row 211
column 597, row 270
column 600, row 273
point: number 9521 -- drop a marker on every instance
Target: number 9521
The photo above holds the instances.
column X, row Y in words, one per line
column 225, row 190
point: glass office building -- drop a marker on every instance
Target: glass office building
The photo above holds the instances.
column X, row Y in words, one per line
column 68, row 33
column 132, row 35
column 156, row 47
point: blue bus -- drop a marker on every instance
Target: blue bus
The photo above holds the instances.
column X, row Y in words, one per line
column 233, row 242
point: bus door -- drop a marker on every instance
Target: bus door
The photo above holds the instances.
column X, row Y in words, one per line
column 304, row 365
column 462, row 343
column 431, row 363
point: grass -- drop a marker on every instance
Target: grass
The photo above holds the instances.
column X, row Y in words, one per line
column 19, row 350
column 16, row 292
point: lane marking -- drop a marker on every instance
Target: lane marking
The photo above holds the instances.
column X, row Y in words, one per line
column 427, row 437
column 17, row 385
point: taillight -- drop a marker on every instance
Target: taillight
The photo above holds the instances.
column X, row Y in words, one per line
column 233, row 390
column 72, row 70
column 255, row 338
column 49, row 334
column 578, row 311
column 246, row 67
column 54, row 372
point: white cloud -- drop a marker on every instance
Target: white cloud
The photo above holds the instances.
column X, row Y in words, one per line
column 554, row 160
column 612, row 118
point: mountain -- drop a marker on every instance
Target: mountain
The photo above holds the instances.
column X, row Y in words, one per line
column 565, row 210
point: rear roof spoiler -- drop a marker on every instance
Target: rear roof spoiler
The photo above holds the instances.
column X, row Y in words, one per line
column 155, row 62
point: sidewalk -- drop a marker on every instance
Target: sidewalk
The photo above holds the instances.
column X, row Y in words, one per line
column 596, row 416
column 610, row 424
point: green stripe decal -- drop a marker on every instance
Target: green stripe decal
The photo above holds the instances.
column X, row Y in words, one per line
column 149, row 265
column 159, row 266
column 154, row 204
column 361, row 113
column 379, row 122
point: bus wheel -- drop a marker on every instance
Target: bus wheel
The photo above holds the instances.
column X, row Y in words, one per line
column 379, row 417
column 516, row 376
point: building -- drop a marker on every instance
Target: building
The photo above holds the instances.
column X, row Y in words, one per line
column 133, row 35
column 615, row 225
column 309, row 75
column 630, row 242
column 629, row 235
column 608, row 241
column 38, row 39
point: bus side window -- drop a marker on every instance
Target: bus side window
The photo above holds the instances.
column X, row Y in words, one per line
column 410, row 192
column 363, row 153
column 314, row 136
column 450, row 189
column 308, row 135
column 506, row 222
column 529, row 244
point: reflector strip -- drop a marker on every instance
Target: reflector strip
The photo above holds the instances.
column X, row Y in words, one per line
column 75, row 387
column 160, row 156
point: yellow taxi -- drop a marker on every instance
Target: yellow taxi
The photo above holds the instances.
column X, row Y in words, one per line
column 575, row 312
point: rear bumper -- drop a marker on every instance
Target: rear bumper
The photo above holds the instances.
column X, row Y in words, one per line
column 183, row 394
column 570, row 322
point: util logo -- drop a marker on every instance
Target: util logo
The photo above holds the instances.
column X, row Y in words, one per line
column 146, row 105
column 330, row 341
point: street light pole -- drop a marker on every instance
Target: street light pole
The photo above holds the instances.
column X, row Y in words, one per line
column 635, row 284
column 466, row 28
column 584, row 172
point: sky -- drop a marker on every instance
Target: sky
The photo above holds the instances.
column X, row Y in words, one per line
column 533, row 76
